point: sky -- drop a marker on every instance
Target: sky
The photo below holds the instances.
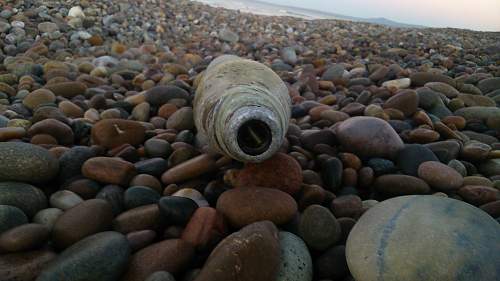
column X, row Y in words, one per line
column 482, row 15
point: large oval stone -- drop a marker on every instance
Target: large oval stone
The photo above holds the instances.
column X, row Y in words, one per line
column 245, row 205
column 84, row 219
column 253, row 253
column 27, row 163
column 111, row 133
column 103, row 256
column 24, row 196
column 416, row 238
column 369, row 137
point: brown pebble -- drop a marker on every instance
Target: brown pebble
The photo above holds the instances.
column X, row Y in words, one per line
column 87, row 218
column 479, row 195
column 147, row 180
column 43, row 139
column 24, row 237
column 9, row 133
column 24, row 266
column 245, row 205
column 421, row 135
column 111, row 133
column 397, row 185
column 140, row 218
column 440, row 176
column 190, row 169
column 457, row 121
column 57, row 129
column 111, row 170
column 172, row 255
column 405, row 100
column 140, row 239
column 347, row 206
column 366, row 176
column 67, row 89
column 349, row 177
column 350, row 160
column 492, row 208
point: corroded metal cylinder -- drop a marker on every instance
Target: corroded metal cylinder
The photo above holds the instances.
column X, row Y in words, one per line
column 243, row 108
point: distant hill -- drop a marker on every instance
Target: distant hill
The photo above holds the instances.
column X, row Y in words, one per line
column 266, row 8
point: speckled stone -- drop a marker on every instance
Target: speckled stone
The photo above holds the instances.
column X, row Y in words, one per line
column 27, row 163
column 296, row 262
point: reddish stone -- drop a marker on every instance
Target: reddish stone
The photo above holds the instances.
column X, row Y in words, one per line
column 111, row 170
column 205, row 228
column 251, row 254
column 281, row 171
column 243, row 206
column 111, row 133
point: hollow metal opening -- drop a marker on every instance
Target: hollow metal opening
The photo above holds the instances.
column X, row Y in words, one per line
column 254, row 137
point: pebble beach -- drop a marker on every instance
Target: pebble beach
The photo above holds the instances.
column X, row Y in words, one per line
column 389, row 169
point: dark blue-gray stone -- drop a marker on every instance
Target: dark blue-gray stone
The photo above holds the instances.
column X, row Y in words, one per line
column 113, row 194
column 177, row 210
column 332, row 264
column 103, row 256
column 11, row 217
column 71, row 162
column 137, row 196
column 157, row 148
column 160, row 95
column 399, row 126
column 381, row 166
column 24, row 196
column 411, row 156
column 331, row 170
column 153, row 166
column 489, row 85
